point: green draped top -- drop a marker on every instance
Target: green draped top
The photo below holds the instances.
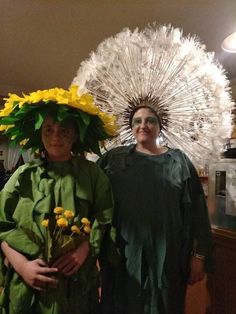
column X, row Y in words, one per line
column 160, row 213
column 34, row 190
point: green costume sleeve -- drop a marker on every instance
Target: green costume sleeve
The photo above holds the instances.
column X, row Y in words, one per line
column 103, row 209
column 16, row 238
column 11, row 232
column 201, row 232
column 6, row 225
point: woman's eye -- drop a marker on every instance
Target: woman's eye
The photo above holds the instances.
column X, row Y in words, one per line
column 151, row 120
column 48, row 131
column 65, row 132
column 136, row 122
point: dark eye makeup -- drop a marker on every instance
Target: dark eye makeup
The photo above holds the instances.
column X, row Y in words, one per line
column 148, row 120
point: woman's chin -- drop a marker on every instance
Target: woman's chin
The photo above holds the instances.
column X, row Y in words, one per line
column 144, row 140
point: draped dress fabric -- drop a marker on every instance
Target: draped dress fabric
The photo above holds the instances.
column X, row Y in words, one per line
column 34, row 190
column 159, row 211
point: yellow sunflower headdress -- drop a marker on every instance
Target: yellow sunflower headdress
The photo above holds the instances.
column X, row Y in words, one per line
column 22, row 117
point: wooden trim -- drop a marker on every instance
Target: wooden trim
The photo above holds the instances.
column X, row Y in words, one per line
column 225, row 238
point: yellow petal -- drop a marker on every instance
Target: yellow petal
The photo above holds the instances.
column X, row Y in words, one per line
column 58, row 210
column 45, row 223
column 62, row 222
column 75, row 229
column 85, row 221
column 87, row 229
column 68, row 214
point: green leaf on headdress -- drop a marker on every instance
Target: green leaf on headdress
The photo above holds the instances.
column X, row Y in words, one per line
column 13, row 131
column 39, row 121
column 62, row 113
column 82, row 129
column 8, row 120
column 25, row 108
column 85, row 117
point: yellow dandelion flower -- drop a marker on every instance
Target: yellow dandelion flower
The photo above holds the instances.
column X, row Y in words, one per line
column 85, row 221
column 75, row 229
column 45, row 223
column 68, row 214
column 58, row 210
column 87, row 229
column 62, row 222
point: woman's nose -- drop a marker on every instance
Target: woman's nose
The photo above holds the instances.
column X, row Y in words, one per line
column 143, row 123
column 56, row 134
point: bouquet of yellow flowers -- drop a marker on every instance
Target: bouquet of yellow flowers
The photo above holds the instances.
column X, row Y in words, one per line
column 64, row 233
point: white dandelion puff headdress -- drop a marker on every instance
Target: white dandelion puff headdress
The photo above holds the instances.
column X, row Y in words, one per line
column 172, row 74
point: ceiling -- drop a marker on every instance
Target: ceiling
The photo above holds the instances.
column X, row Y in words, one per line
column 42, row 42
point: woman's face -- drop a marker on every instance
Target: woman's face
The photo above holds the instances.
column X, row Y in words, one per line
column 145, row 126
column 57, row 139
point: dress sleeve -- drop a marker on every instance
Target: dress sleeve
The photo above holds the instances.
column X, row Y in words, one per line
column 202, row 237
column 8, row 202
column 10, row 231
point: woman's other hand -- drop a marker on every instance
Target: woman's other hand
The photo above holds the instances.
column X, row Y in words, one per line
column 71, row 262
column 197, row 270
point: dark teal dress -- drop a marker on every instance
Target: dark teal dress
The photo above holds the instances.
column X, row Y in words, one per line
column 160, row 211
column 33, row 191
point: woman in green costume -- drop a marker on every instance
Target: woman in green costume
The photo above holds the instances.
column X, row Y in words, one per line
column 62, row 125
column 163, row 231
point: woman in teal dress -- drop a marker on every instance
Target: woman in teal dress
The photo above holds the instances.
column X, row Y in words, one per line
column 163, row 231
column 35, row 279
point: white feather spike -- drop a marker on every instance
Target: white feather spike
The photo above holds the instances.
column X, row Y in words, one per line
column 182, row 82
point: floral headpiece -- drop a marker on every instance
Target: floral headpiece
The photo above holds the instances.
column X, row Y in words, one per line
column 172, row 74
column 22, row 117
